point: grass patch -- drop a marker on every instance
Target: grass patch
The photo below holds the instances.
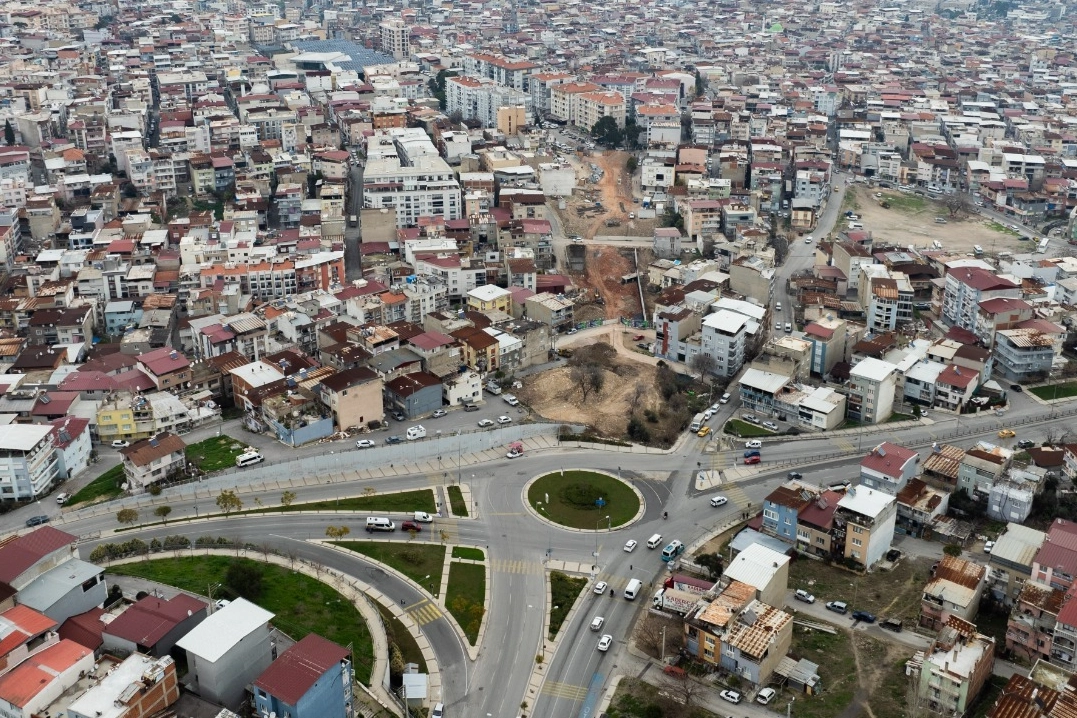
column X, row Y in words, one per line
column 899, row 417
column 302, row 604
column 469, row 552
column 466, row 595
column 215, row 453
column 890, row 695
column 404, row 501
column 1055, row 391
column 636, row 699
column 837, row 668
column 908, row 203
column 743, row 429
column 564, row 590
column 456, row 501
column 887, row 594
column 1002, row 229
column 422, row 563
column 399, row 635
column 573, row 496
column 105, row 487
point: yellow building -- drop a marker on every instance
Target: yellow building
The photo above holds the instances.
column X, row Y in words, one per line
column 510, row 119
column 489, row 298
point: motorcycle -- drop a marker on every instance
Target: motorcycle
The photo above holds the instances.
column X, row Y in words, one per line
column 665, row 514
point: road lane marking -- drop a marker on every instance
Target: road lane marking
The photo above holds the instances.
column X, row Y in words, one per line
column 522, row 567
column 564, row 690
column 424, row 612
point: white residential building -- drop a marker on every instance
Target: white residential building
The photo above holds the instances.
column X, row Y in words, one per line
column 405, row 173
column 724, row 335
column 28, row 463
column 872, row 385
column 479, row 99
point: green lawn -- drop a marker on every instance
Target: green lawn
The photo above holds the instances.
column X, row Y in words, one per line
column 899, row 417
column 475, row 554
column 456, row 501
column 418, row 500
column 908, row 203
column 302, row 604
column 215, row 453
column 744, row 430
column 564, row 590
column 1055, row 391
column 1002, row 229
column 105, row 487
column 422, row 563
column 837, row 669
column 466, row 596
column 573, row 495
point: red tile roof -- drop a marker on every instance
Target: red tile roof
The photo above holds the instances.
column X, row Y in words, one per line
column 36, row 673
column 148, row 621
column 85, row 628
column 25, row 624
column 887, row 459
column 22, row 552
column 297, row 669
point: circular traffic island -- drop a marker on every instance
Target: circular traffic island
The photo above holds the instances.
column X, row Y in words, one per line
column 585, row 500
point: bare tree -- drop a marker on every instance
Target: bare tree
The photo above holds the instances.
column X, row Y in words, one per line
column 683, row 688
column 587, row 378
column 649, row 634
column 703, row 363
column 956, row 203
column 638, row 392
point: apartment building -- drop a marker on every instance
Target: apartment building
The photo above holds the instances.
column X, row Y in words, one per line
column 1032, row 351
column 865, row 519
column 411, row 179
column 950, row 675
column 482, row 99
column 964, row 290
column 871, row 390
column 508, row 73
column 28, row 463
column 889, row 467
column 954, row 589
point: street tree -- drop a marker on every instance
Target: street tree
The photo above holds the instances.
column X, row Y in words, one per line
column 228, row 501
column 244, row 578
column 127, row 516
column 287, row 498
column 704, row 364
column 337, row 532
column 956, row 203
column 162, row 512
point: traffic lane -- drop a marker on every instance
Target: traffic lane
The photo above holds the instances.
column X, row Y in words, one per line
column 818, row 611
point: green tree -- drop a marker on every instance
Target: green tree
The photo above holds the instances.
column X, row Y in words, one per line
column 337, row 532
column 163, row 512
column 127, row 516
column 9, row 133
column 606, row 132
column 245, row 579
column 287, row 498
column 228, row 501
column 701, row 86
column 713, row 563
column 437, row 87
column 631, row 164
column 672, row 218
column 631, row 134
column 952, row 549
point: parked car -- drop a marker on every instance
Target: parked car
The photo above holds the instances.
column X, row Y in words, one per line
column 439, row 711
column 37, row 520
column 483, row 423
column 600, row 587
column 1025, row 444
column 511, row 400
column 717, row 501
column 393, row 440
column 365, row 444
column 504, row 420
column 801, row 595
column 399, row 416
column 891, row 624
column 989, row 547
column 438, row 413
column 752, row 460
column 863, row 616
column 795, row 475
column 837, row 606
column 1017, row 388
column 766, row 695
column 410, row 526
column 770, row 425
column 731, row 696
column 62, row 498
column 630, row 545
column 753, row 444
column 605, row 642
column 120, row 444
column 750, row 418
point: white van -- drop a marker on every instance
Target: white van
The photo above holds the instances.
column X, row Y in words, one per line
column 249, row 457
column 633, row 588
column 416, row 432
column 379, row 523
column 653, row 541
column 856, row 225
column 978, row 249
column 725, row 399
column 423, row 517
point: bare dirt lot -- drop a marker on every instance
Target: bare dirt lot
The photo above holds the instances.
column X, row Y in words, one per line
column 604, row 266
column 911, row 220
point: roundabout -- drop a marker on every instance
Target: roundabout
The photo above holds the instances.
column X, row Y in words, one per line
column 584, row 500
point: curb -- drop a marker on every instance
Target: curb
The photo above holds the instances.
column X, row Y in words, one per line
column 549, row 648
column 549, row 522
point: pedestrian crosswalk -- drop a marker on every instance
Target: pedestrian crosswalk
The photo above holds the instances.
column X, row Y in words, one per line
column 424, row 612
column 735, row 494
column 520, row 567
column 845, row 444
column 564, row 690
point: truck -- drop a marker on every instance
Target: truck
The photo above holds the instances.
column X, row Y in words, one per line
column 697, row 423
column 670, row 599
column 353, row 220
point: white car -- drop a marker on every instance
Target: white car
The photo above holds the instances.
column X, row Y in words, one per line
column 596, row 623
column 630, row 545
column 600, row 587
column 120, row 444
column 504, row 420
column 605, row 642
column 808, row 239
column 483, row 423
column 714, row 409
column 707, row 414
column 731, row 696
column 438, row 413
column 719, row 501
column 989, row 546
column 753, row 444
column 365, row 444
column 801, row 595
column 439, row 711
column 770, row 425
column 62, row 498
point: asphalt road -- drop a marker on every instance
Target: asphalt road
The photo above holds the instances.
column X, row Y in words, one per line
column 353, row 263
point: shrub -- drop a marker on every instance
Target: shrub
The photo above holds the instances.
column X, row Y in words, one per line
column 637, row 431
column 581, row 495
column 175, row 542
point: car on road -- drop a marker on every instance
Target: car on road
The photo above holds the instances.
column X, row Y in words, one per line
column 605, row 642
column 514, row 453
column 777, row 326
column 837, row 606
column 753, row 444
column 393, row 440
column 788, row 328
column 808, row 239
column 731, row 696
column 439, row 711
column 1025, row 444
column 752, row 460
column 120, row 444
column 1007, row 434
column 596, row 623
column 630, row 545
column 770, row 425
column 863, row 616
column 410, row 526
column 37, row 520
column 795, row 475
column 1017, row 388
column 483, row 423
column 708, row 414
column 601, row 587
column 638, row 338
column 573, row 330
column 504, row 420
column 725, row 398
column 365, row 444
column 714, row 409
column 703, row 431
column 717, row 501
column 801, row 595
column 438, row 413
column 989, row 547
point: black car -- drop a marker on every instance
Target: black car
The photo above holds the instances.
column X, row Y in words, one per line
column 795, row 475
column 893, row 555
column 37, row 520
column 393, row 440
column 1017, row 388
column 863, row 616
column 1025, row 444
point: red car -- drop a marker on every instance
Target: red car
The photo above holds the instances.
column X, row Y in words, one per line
column 637, row 338
column 410, row 526
column 753, row 459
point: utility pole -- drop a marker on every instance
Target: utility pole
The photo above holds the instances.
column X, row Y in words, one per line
column 663, row 656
